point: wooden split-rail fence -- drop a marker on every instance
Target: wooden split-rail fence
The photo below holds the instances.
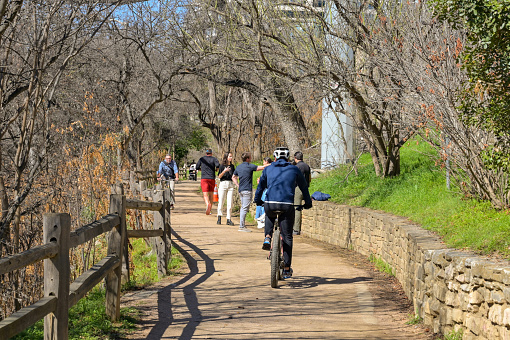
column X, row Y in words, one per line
column 59, row 293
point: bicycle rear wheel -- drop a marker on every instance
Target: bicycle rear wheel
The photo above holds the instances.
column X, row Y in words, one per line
column 275, row 259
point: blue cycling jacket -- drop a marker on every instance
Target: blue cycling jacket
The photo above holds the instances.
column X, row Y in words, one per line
column 280, row 178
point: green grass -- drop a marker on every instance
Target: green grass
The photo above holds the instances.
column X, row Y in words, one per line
column 87, row 319
column 145, row 266
column 249, row 218
column 380, row 265
column 414, row 319
column 420, row 194
column 453, row 335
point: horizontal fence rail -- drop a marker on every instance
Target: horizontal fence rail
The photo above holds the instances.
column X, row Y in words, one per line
column 59, row 293
column 27, row 316
column 144, row 233
column 143, row 205
column 94, row 229
column 88, row 280
column 28, row 257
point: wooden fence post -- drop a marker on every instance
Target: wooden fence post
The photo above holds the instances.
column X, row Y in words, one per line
column 118, row 189
column 159, row 242
column 143, row 186
column 57, row 228
column 115, row 246
column 143, row 192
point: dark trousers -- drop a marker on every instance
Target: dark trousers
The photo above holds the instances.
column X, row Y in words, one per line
column 285, row 215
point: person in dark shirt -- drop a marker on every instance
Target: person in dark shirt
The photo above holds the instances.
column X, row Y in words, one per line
column 243, row 179
column 226, row 188
column 208, row 166
column 298, row 196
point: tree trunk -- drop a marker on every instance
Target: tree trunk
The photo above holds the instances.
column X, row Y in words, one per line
column 375, row 159
column 15, row 250
column 225, row 125
column 256, row 119
column 290, row 119
column 384, row 151
column 394, row 155
column 4, row 205
column 212, row 124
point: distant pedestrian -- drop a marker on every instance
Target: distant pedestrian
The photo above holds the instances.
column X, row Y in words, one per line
column 226, row 188
column 185, row 170
column 298, row 196
column 208, row 165
column 260, row 214
column 243, row 179
column 168, row 171
column 193, row 171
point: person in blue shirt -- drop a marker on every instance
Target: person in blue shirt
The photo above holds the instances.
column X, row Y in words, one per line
column 281, row 178
column 168, row 171
column 260, row 215
column 243, row 179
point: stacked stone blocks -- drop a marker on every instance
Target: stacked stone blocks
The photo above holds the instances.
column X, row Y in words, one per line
column 450, row 289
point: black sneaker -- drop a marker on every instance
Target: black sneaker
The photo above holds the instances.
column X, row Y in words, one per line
column 267, row 244
column 287, row 274
column 229, row 222
column 219, row 220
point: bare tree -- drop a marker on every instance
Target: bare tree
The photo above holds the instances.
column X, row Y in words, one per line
column 37, row 47
column 224, row 37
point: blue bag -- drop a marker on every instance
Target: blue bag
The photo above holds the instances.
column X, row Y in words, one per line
column 320, row 196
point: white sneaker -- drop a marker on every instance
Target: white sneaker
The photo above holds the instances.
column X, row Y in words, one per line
column 246, row 230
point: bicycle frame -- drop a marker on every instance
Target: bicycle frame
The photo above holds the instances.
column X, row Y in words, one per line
column 276, row 253
column 165, row 183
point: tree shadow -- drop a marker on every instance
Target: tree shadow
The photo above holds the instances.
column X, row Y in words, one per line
column 165, row 315
column 304, row 282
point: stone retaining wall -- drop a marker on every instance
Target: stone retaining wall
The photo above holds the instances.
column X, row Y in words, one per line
column 450, row 289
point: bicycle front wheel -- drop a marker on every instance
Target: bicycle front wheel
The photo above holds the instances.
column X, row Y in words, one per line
column 275, row 258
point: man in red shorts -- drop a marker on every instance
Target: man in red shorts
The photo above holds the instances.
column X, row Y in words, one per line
column 208, row 166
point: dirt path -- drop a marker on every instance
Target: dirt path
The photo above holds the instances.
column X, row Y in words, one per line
column 227, row 295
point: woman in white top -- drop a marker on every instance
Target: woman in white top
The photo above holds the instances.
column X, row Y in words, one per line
column 226, row 187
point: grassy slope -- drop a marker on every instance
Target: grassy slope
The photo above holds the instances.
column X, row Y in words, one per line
column 420, row 194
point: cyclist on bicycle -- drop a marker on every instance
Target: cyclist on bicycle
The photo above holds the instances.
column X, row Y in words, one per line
column 280, row 178
column 168, row 171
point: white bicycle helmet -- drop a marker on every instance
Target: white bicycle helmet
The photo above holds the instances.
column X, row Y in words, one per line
column 281, row 152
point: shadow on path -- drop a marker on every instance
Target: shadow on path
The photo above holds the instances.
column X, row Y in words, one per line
column 164, row 295
column 304, row 282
